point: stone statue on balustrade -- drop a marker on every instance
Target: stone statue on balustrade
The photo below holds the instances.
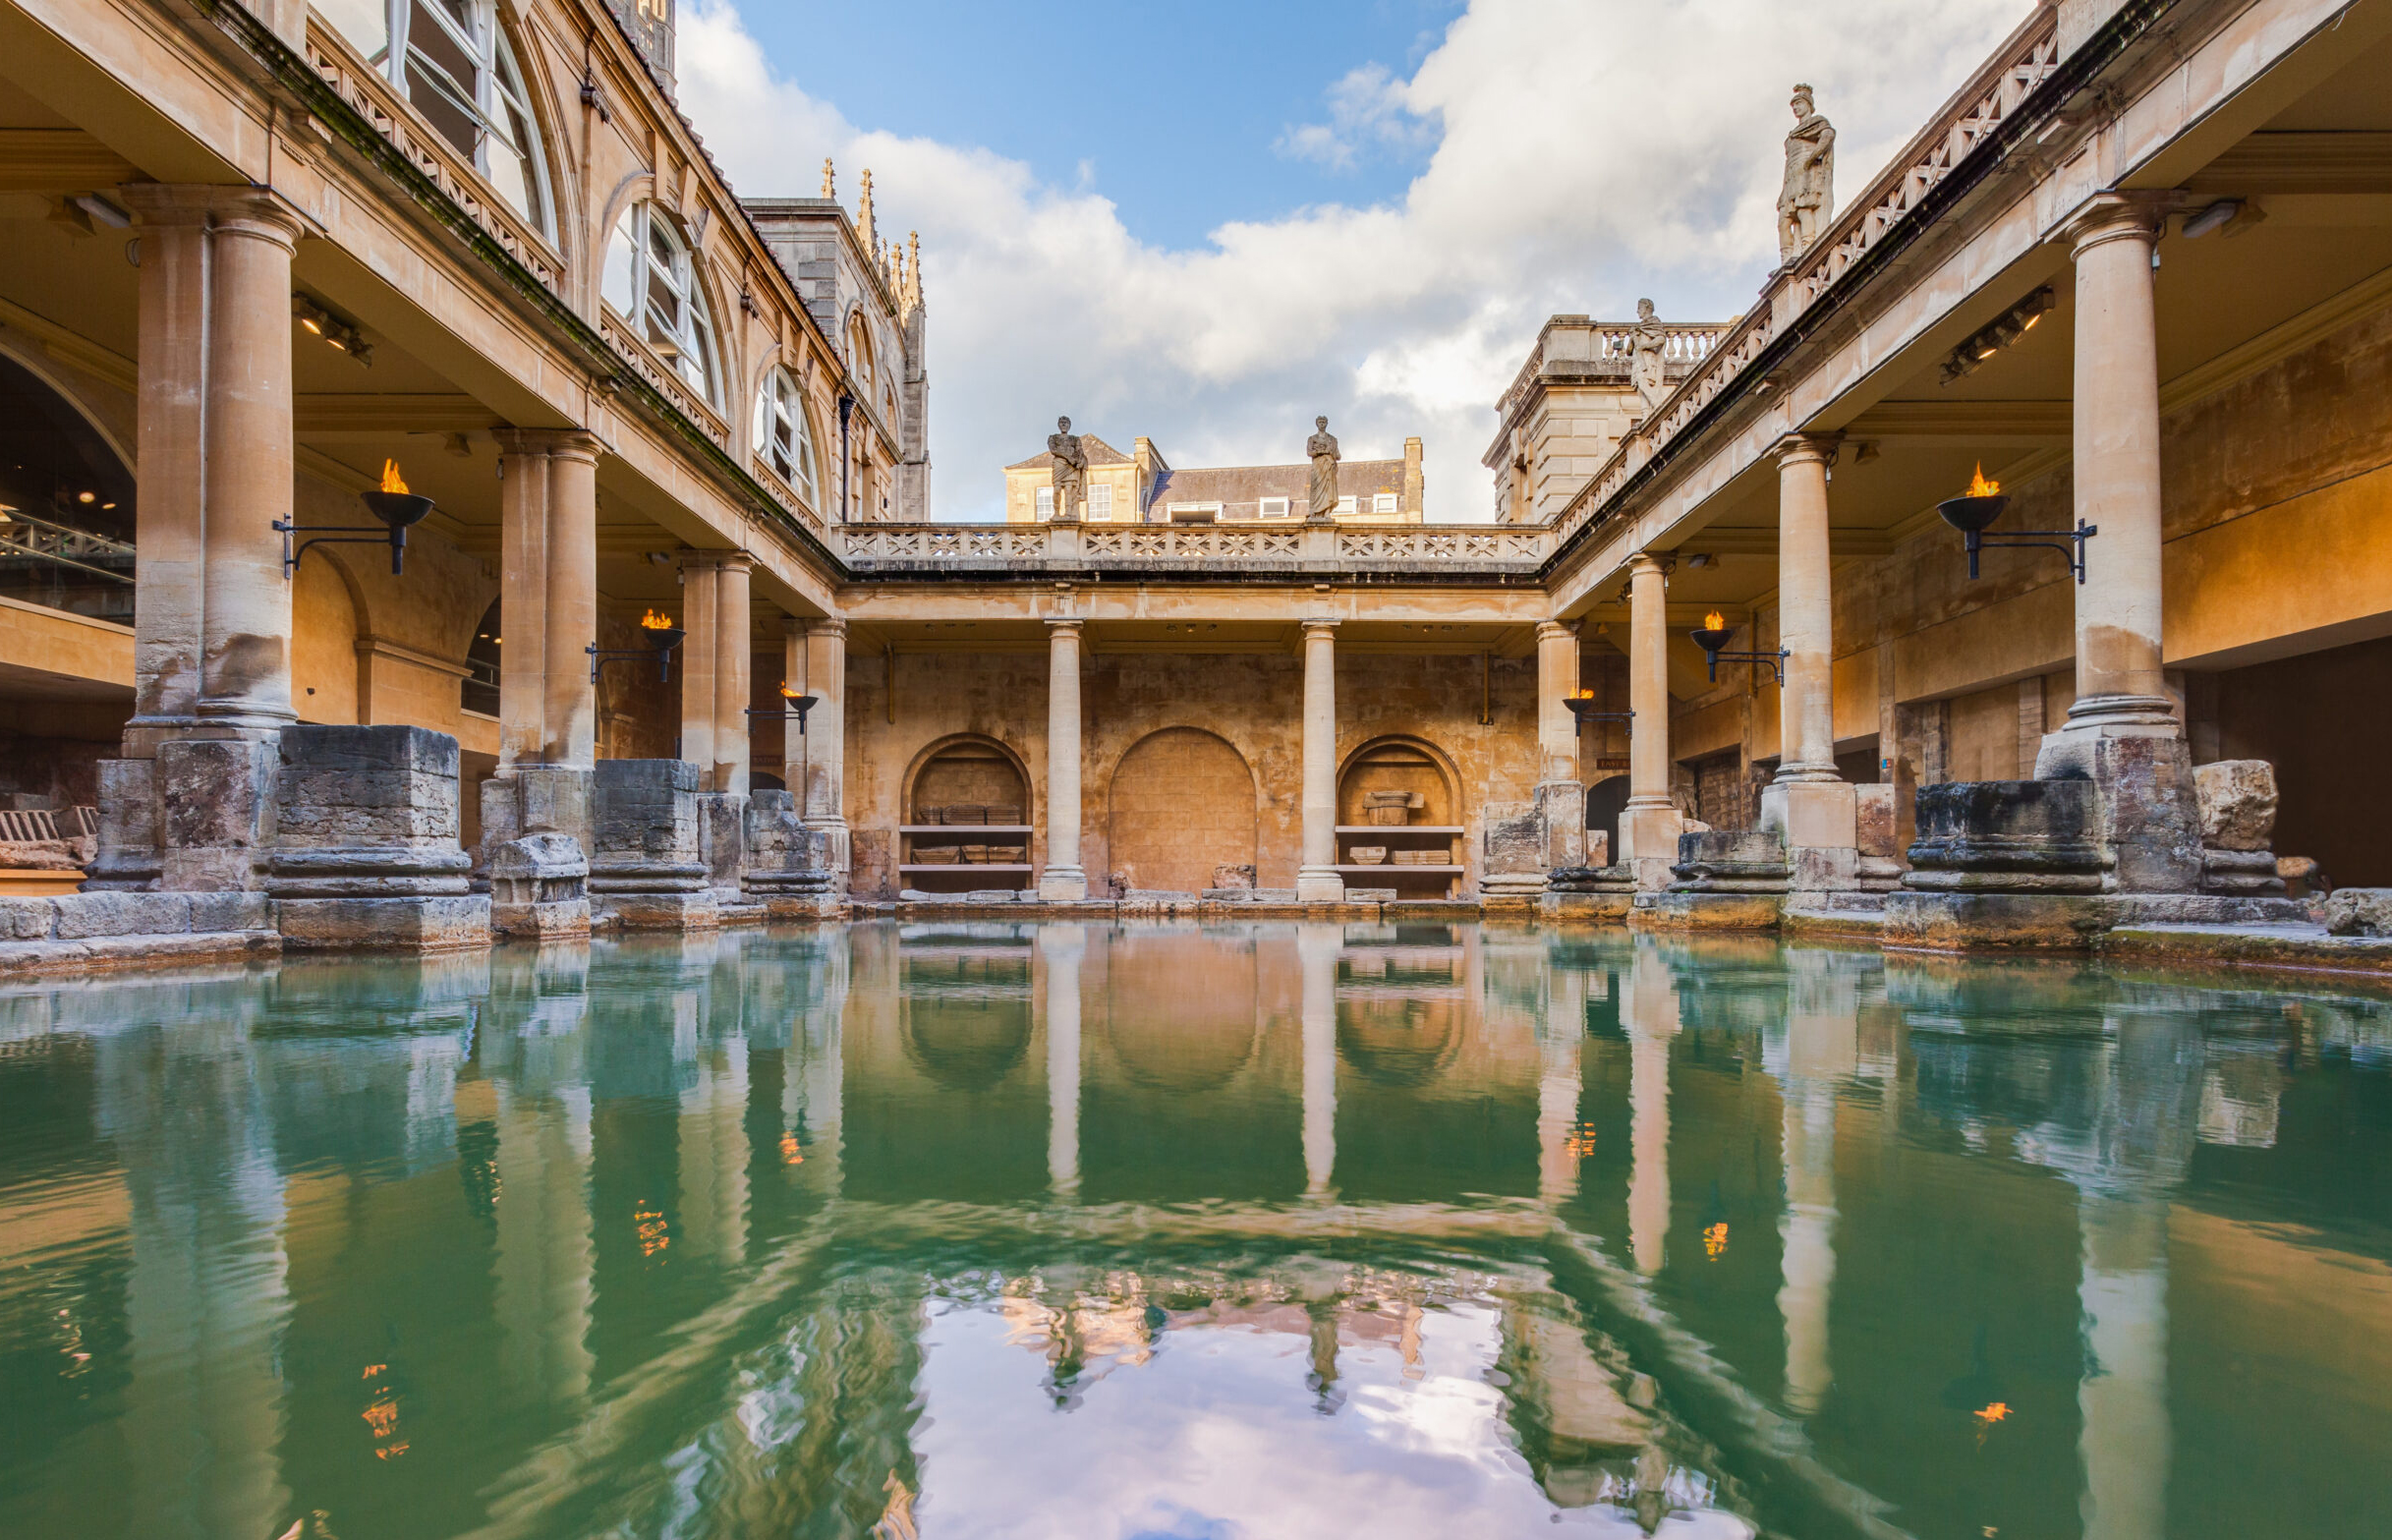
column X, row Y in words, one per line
column 1322, row 448
column 1808, row 200
column 1647, row 370
column 1070, row 471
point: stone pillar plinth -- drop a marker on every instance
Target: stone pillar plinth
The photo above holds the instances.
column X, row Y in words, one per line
column 214, row 812
column 821, row 754
column 1063, row 880
column 722, row 841
column 1649, row 823
column 644, row 871
column 787, row 868
column 541, row 889
column 1317, row 880
column 365, row 851
column 1811, row 806
column 2121, row 732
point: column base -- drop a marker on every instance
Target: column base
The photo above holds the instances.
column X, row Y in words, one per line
column 442, row 924
column 1648, row 844
column 2149, row 807
column 723, row 840
column 1062, row 885
column 214, row 798
column 651, row 911
column 1821, row 824
column 1318, row 885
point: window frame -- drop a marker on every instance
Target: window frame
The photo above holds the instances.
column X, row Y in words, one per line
column 779, row 401
column 1041, row 501
column 1349, row 505
column 1100, row 513
column 496, row 70
column 1285, row 508
column 1385, row 502
column 635, row 236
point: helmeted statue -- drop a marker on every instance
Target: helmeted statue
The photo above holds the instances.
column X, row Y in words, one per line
column 1647, row 369
column 1070, row 470
column 1808, row 200
column 1322, row 448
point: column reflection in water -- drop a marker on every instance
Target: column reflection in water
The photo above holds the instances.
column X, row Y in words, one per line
column 1651, row 1013
column 811, row 1070
column 2123, row 1133
column 1317, row 949
column 1061, row 948
column 714, row 1145
column 209, row 1296
column 1820, row 1049
column 534, row 1045
column 1560, row 1030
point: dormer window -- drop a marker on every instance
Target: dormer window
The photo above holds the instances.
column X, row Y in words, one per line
column 1273, row 508
column 652, row 282
column 452, row 62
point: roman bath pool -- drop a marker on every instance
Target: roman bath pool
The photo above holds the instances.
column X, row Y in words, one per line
column 1196, row 1232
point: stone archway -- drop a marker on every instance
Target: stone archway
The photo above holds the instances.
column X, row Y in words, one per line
column 1182, row 803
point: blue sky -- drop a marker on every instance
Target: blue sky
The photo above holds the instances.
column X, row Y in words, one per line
column 1206, row 224
column 1171, row 111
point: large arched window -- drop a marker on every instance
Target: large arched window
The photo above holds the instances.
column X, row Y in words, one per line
column 451, row 60
column 651, row 281
column 785, row 437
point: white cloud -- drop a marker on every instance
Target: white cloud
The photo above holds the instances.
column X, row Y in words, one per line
column 1586, row 152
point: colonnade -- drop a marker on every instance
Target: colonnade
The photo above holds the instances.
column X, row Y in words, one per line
column 2121, row 690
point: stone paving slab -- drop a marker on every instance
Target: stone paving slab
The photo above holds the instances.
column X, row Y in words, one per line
column 2305, row 947
column 111, row 953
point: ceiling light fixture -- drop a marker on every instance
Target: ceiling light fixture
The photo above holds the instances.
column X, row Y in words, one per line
column 341, row 335
column 2006, row 328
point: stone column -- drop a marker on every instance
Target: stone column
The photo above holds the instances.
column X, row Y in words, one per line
column 697, row 662
column 1561, row 795
column 1651, row 1008
column 1317, row 880
column 2121, row 732
column 826, row 747
column 1808, row 803
column 1062, row 880
column 1061, row 948
column 2119, row 691
column 734, row 661
column 1317, row 948
column 1559, row 1081
column 1821, row 1049
column 570, row 709
column 1649, row 823
column 523, row 598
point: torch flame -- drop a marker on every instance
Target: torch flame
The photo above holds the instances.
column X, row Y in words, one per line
column 1992, row 1414
column 1979, row 486
column 652, row 621
column 392, row 481
column 1715, row 621
column 786, row 692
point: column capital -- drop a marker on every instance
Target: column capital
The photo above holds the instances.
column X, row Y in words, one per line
column 1319, row 625
column 216, row 206
column 822, row 625
column 1550, row 630
column 715, row 560
column 1807, row 448
column 1648, row 561
column 1065, row 625
column 2115, row 215
column 575, row 444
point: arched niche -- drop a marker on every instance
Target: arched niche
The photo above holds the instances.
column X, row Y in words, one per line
column 1400, row 763
column 967, row 771
column 1181, row 804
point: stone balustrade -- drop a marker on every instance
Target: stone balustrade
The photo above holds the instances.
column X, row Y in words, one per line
column 1475, row 552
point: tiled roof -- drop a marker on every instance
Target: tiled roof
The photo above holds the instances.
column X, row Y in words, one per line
column 1099, row 452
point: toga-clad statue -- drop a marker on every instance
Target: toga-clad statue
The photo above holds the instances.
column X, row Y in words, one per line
column 1322, row 448
column 1808, row 200
column 1070, row 471
column 1647, row 370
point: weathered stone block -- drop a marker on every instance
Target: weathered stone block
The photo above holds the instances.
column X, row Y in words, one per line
column 693, row 910
column 26, row 919
column 644, row 828
column 2011, row 836
column 127, row 856
column 1598, row 847
column 1562, row 807
column 1994, row 921
column 82, row 916
column 415, row 924
column 231, row 912
column 1730, row 861
column 1688, row 910
column 215, row 813
column 2151, row 815
column 1810, row 813
column 2360, row 911
column 1514, row 839
column 1877, row 823
column 721, row 842
column 367, row 813
column 2238, row 803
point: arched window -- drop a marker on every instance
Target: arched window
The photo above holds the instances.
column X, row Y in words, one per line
column 785, row 437
column 652, row 282
column 859, row 350
column 451, row 58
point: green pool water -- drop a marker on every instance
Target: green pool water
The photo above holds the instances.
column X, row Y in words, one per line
column 1194, row 1233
